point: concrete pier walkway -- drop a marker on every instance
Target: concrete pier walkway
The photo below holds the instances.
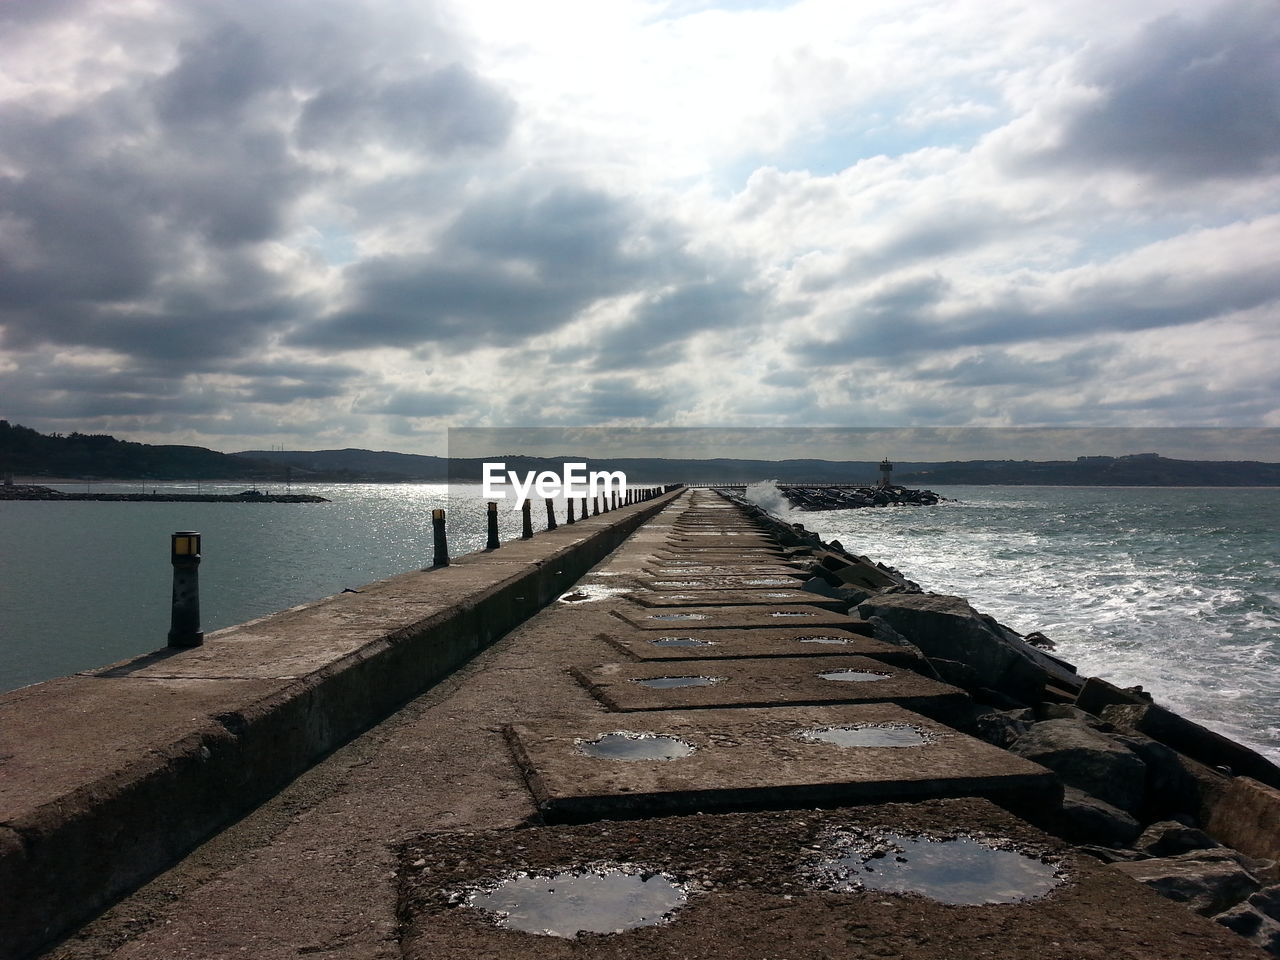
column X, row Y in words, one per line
column 694, row 629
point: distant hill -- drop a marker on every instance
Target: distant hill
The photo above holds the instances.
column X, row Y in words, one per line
column 25, row 452
column 1144, row 469
column 1131, row 470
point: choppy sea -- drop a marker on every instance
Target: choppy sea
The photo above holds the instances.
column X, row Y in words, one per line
column 1177, row 589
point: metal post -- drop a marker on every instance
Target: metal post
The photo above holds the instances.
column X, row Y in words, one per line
column 184, row 624
column 493, row 526
column 551, row 514
column 568, row 516
column 527, row 520
column 583, row 512
column 441, row 558
column 595, row 506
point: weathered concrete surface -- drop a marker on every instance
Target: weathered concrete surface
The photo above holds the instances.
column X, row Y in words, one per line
column 747, row 759
column 776, row 681
column 686, row 584
column 732, row 644
column 111, row 775
column 752, row 901
column 725, row 618
column 777, row 597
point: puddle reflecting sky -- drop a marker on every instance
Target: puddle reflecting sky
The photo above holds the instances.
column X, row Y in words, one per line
column 570, row 902
column 679, row 616
column 681, row 642
column 853, row 676
column 870, row 735
column 961, row 871
column 668, row 683
column 624, row 745
column 832, row 640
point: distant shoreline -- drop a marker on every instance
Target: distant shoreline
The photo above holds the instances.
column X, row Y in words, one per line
column 26, row 491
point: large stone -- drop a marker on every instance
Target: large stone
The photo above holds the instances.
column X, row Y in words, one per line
column 1256, row 927
column 1208, row 885
column 1246, row 815
column 948, row 628
column 1086, row 759
column 1195, row 741
column 1086, row 819
column 1168, row 837
column 1002, row 727
column 1174, row 787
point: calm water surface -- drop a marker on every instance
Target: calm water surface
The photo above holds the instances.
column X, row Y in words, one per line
column 83, row 584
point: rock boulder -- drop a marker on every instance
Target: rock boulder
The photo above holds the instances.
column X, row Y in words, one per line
column 1086, row 759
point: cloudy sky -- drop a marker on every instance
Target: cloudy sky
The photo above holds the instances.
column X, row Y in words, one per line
column 327, row 223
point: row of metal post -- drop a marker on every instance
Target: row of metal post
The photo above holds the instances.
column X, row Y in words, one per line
column 184, row 552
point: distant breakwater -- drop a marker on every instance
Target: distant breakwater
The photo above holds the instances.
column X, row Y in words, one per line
column 855, row 498
column 34, row 492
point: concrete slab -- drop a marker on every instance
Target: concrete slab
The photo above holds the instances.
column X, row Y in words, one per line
column 673, row 551
column 706, row 568
column 723, row 618
column 683, row 645
column 736, row 598
column 774, row 681
column 752, row 897
column 685, row 583
column 748, row 759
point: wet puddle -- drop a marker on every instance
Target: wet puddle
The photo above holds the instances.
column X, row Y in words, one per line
column 679, row 616
column 769, row 581
column 869, row 735
column 591, row 592
column 681, row 642
column 853, row 676
column 670, row 683
column 624, row 745
column 790, row 613
column 831, row 640
column 958, row 870
column 569, row 902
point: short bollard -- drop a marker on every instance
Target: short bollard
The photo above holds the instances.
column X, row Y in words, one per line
column 526, row 532
column 441, row 558
column 583, row 512
column 551, row 514
column 595, row 506
column 184, row 625
column 493, row 542
column 568, row 511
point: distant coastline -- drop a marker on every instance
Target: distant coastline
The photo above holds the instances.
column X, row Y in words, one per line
column 34, row 457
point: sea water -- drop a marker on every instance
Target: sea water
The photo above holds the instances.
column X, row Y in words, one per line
column 85, row 583
column 1177, row 589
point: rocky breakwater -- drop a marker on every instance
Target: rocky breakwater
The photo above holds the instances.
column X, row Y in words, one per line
column 855, row 498
column 26, row 491
column 1186, row 811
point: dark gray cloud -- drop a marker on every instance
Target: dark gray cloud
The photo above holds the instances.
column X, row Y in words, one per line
column 1189, row 98
column 1001, row 368
column 617, row 398
column 527, row 260
column 417, row 403
column 657, row 329
column 441, row 111
column 910, row 319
